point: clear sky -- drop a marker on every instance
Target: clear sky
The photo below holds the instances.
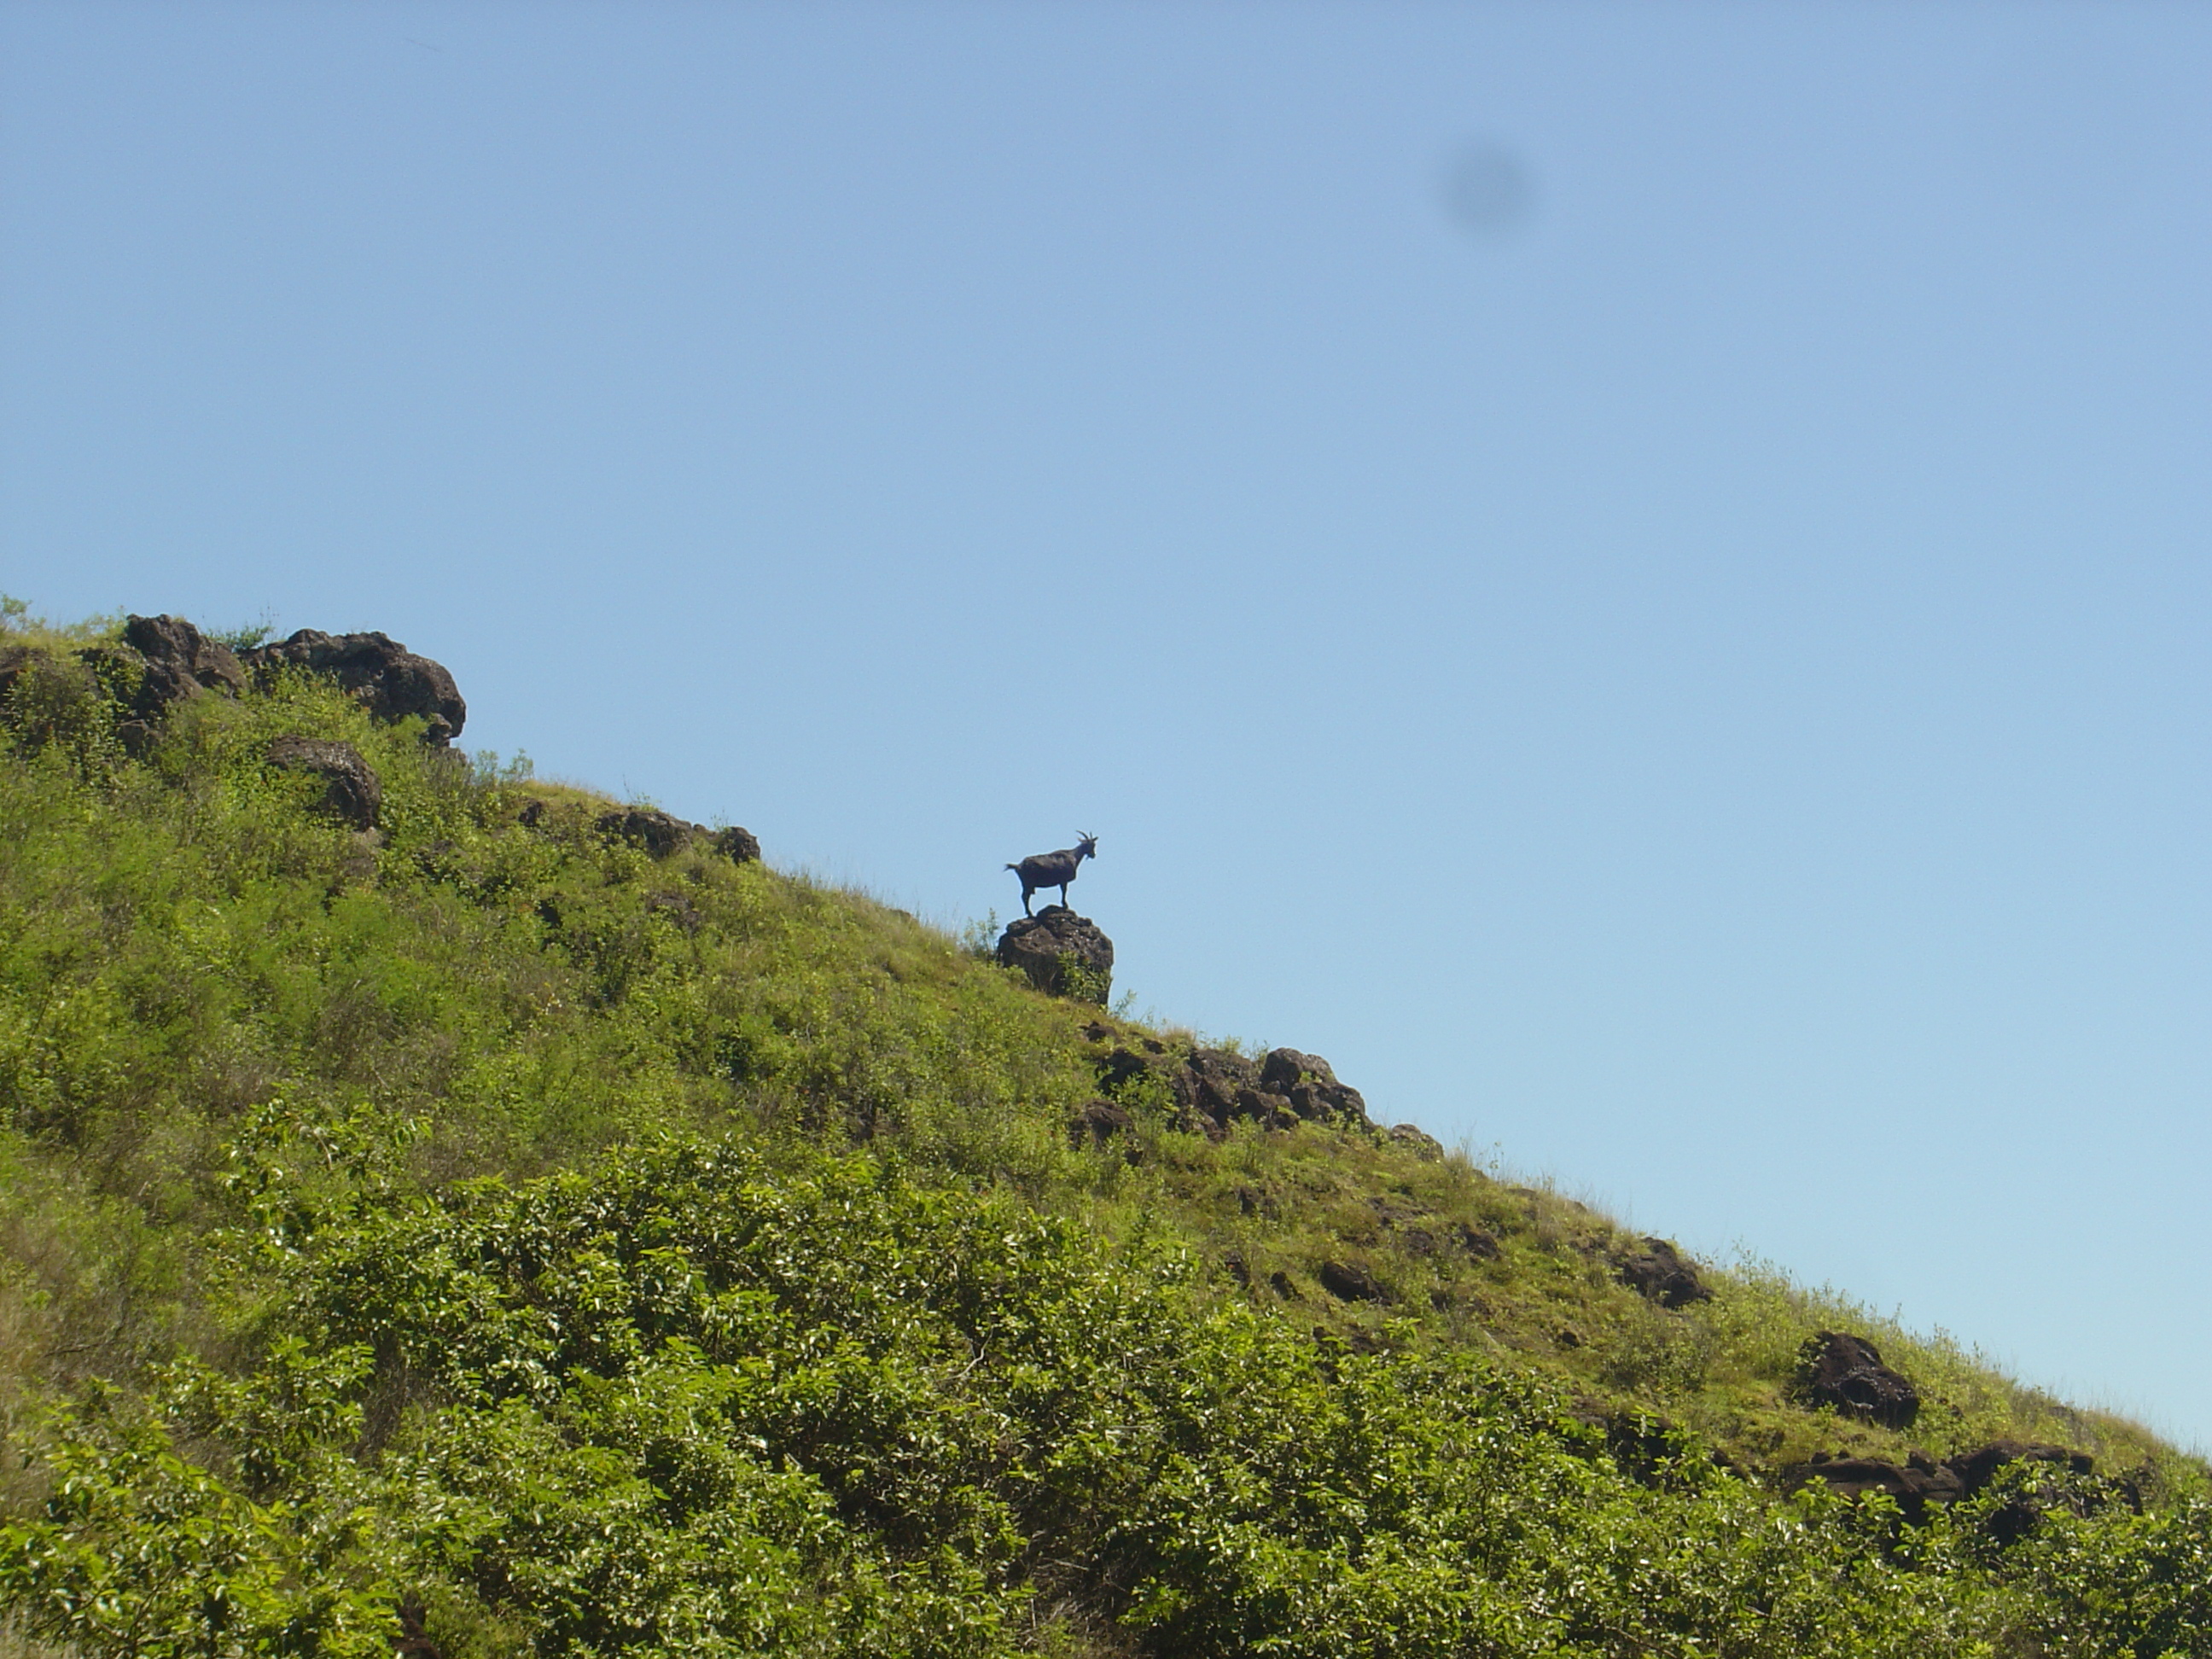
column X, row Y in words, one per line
column 1635, row 575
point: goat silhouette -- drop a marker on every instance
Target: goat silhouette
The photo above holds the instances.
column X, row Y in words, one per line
column 1053, row 869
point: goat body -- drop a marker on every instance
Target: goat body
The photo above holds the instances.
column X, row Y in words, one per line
column 1053, row 869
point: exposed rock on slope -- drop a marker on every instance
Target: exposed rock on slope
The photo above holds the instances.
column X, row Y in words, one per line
column 352, row 791
column 1915, row 1484
column 1847, row 1373
column 1662, row 1273
column 663, row 833
column 181, row 662
column 1048, row 945
column 1920, row 1480
column 1214, row 1088
column 387, row 678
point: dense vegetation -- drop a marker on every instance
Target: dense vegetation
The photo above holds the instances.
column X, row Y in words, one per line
column 475, row 1235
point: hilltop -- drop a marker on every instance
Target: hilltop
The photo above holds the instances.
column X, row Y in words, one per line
column 450, row 1213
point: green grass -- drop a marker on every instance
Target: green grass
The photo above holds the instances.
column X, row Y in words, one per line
column 477, row 1222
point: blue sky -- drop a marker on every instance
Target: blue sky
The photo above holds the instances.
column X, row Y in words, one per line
column 1635, row 575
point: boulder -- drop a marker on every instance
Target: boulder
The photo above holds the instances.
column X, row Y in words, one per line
column 1283, row 1069
column 738, row 845
column 1351, row 1281
column 1216, row 1088
column 1048, row 945
column 1846, row 1372
column 1975, row 1469
column 181, row 662
column 1213, row 1082
column 1919, row 1482
column 160, row 662
column 1311, row 1088
column 1122, row 1067
column 657, row 832
column 1915, row 1485
column 1482, row 1246
column 1097, row 1121
column 352, row 793
column 1649, row 1449
column 1660, row 1273
column 1418, row 1141
column 2043, row 1489
column 383, row 675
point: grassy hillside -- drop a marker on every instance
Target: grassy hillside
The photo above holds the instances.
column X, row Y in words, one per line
column 477, row 1235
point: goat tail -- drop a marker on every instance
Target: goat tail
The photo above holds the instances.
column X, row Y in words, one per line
column 1015, row 868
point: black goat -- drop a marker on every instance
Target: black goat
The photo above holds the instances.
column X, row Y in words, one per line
column 1053, row 869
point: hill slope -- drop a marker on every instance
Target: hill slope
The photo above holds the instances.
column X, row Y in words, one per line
column 524, row 1225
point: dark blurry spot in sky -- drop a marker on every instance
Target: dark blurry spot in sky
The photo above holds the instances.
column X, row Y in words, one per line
column 1487, row 191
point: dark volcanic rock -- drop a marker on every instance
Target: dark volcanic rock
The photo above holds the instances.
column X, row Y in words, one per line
column 1350, row 1281
column 1268, row 1111
column 1662, row 1273
column 737, row 844
column 1310, row 1087
column 1046, row 945
column 1920, row 1482
column 351, row 790
column 1418, row 1141
column 1847, row 1373
column 180, row 663
column 1098, row 1122
column 1647, row 1447
column 1212, row 1082
column 1476, row 1243
column 2044, row 1486
column 1216, row 1088
column 387, row 678
column 1914, row 1485
column 1284, row 1069
column 1975, row 1469
column 657, row 832
column 1122, row 1067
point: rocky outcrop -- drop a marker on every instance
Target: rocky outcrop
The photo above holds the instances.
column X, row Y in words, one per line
column 1418, row 1141
column 739, row 846
column 659, row 834
column 1351, row 1281
column 352, row 793
column 1220, row 1088
column 379, row 672
column 1846, row 1372
column 1975, row 1469
column 1649, row 1449
column 1915, row 1484
column 1314, row 1095
column 1213, row 1088
column 1921, row 1481
column 160, row 662
column 1062, row 954
column 1660, row 1273
column 1098, row 1122
column 180, row 663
